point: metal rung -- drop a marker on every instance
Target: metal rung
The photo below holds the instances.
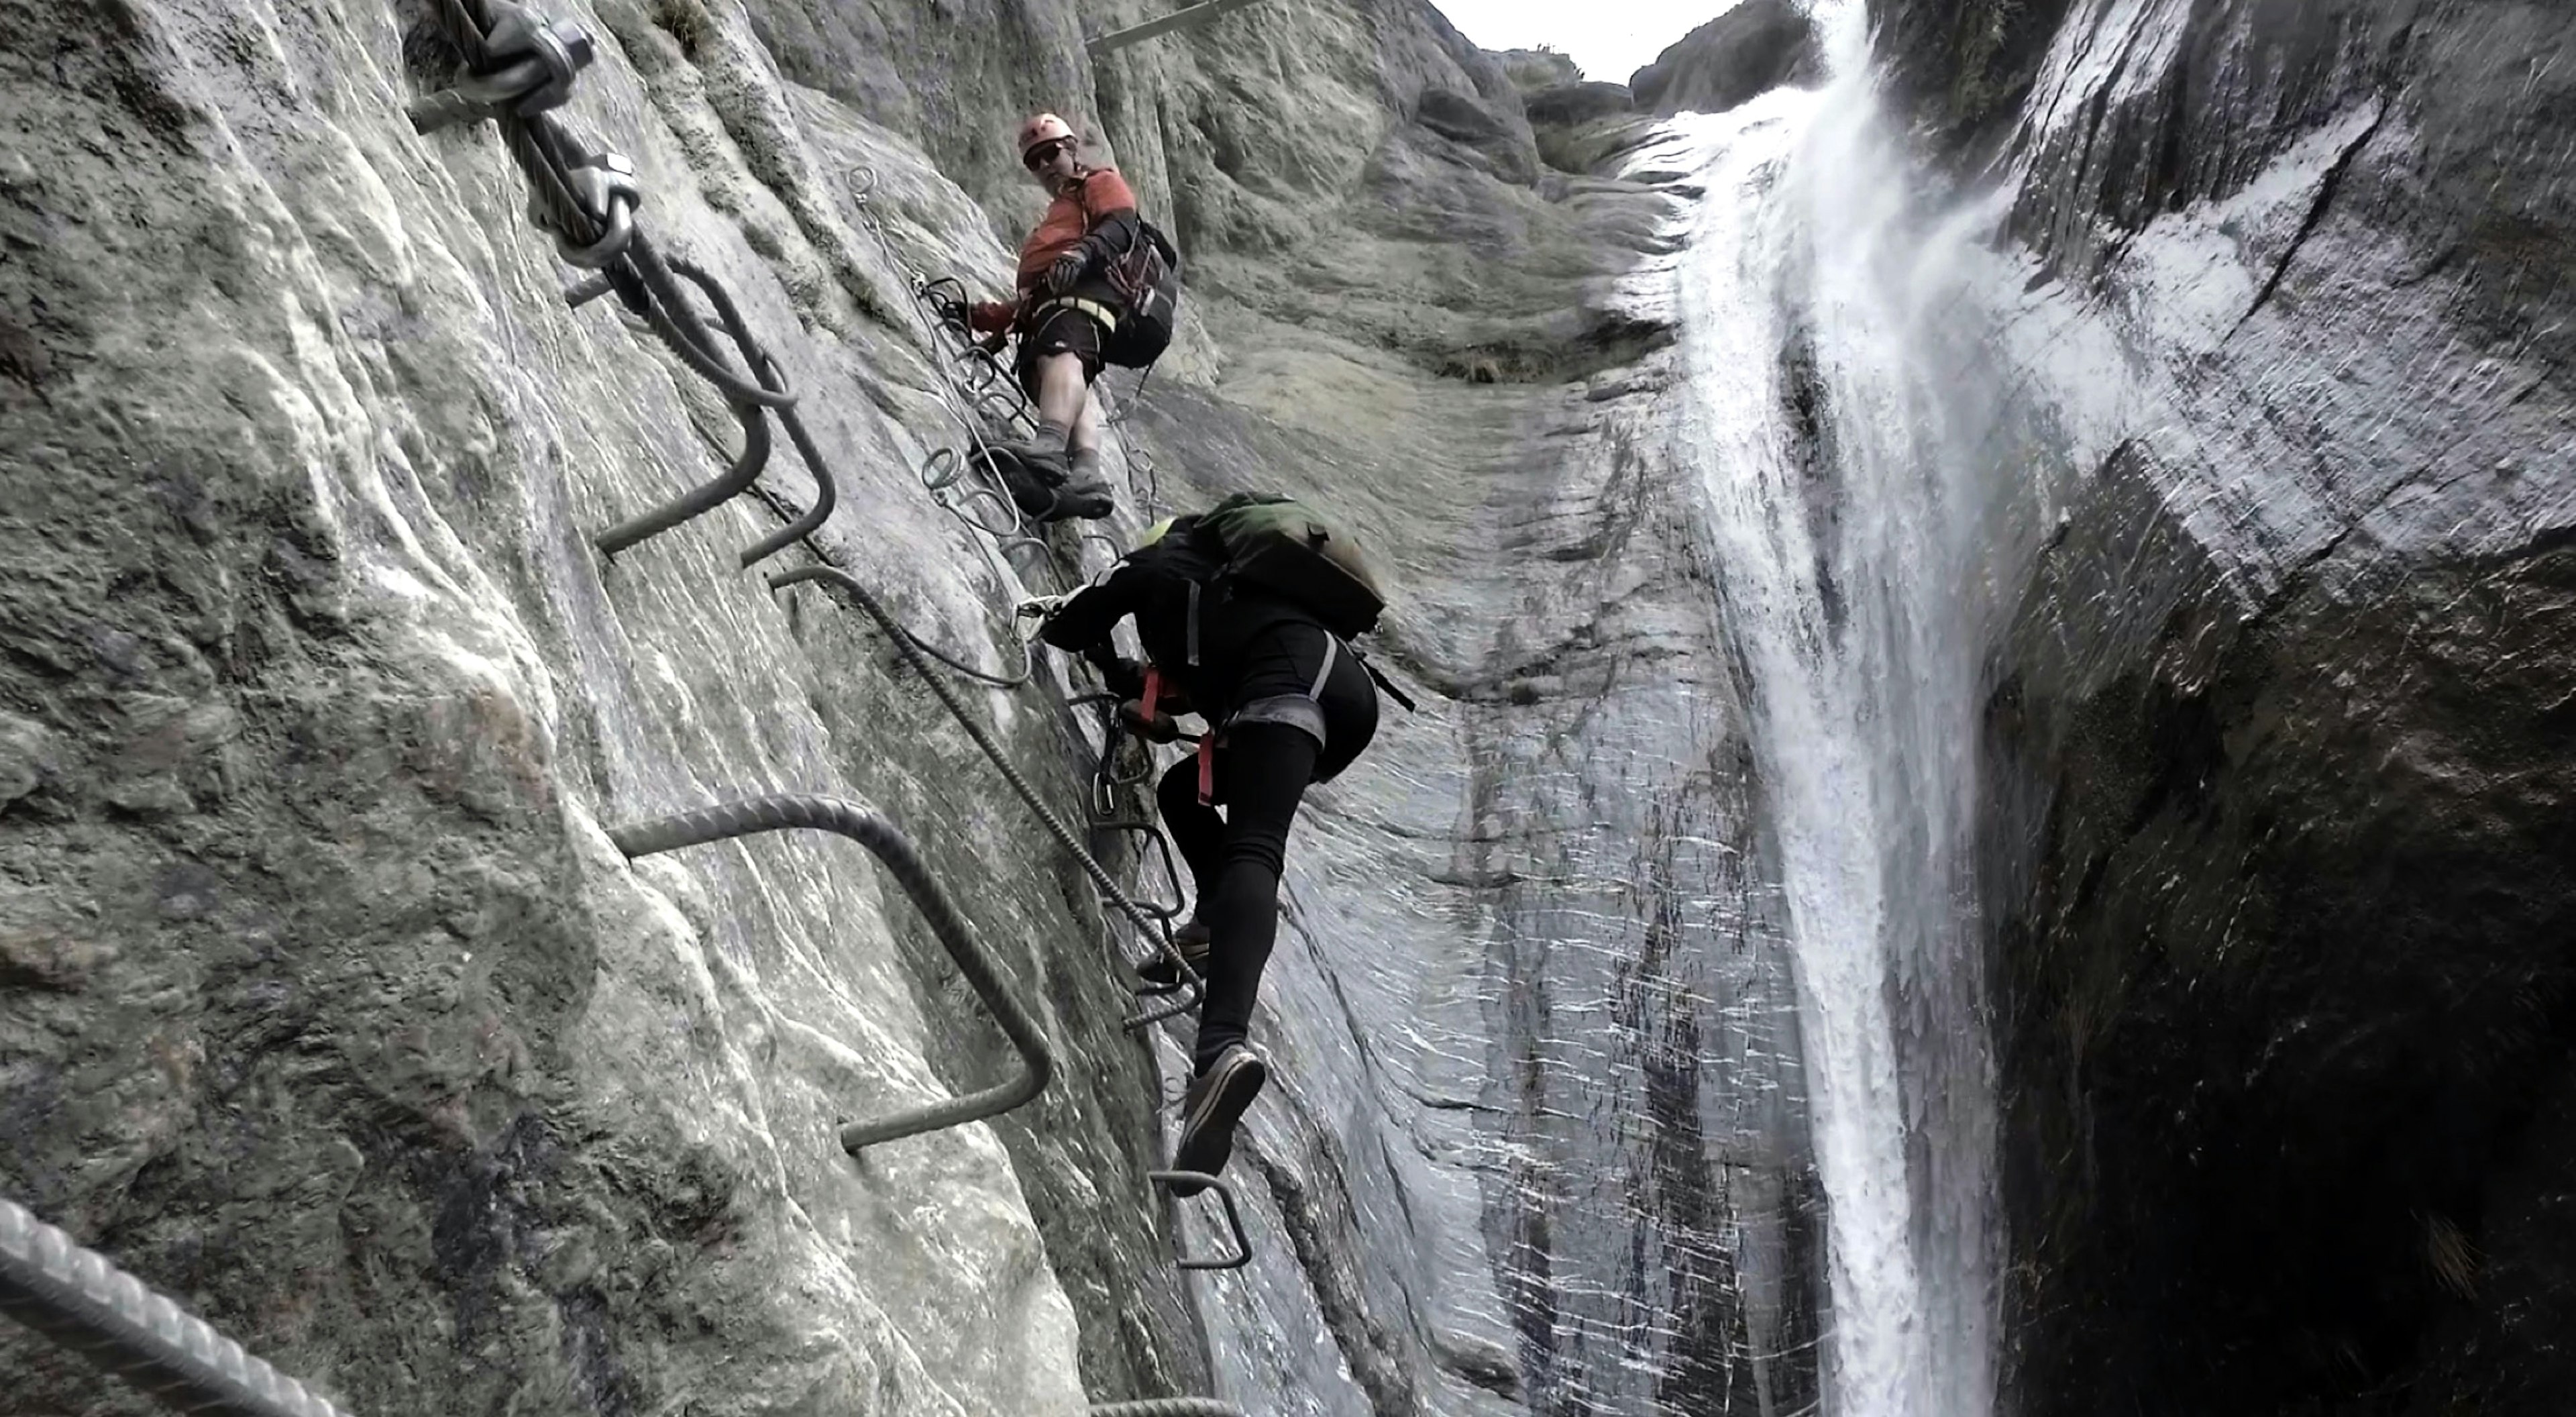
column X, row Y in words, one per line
column 831, row 814
column 1116, row 40
column 681, row 330
column 1233, row 1219
column 1163, row 849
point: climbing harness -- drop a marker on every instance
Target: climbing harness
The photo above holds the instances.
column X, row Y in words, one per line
column 1107, row 317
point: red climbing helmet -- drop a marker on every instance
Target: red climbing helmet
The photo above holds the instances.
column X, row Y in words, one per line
column 1041, row 130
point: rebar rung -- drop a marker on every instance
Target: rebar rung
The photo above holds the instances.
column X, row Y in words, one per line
column 1195, row 15
column 831, row 814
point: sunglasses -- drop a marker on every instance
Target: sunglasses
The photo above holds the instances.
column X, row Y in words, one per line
column 1044, row 153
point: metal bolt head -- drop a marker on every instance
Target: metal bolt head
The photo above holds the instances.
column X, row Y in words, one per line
column 577, row 44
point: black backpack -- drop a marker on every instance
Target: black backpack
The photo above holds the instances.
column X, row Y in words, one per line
column 1147, row 278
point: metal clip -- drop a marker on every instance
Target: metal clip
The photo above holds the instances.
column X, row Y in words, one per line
column 560, row 49
column 543, row 58
column 604, row 184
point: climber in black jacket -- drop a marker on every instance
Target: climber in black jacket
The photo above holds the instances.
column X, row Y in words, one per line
column 1287, row 703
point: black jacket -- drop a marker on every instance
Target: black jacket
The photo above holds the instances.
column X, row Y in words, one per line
column 1153, row 584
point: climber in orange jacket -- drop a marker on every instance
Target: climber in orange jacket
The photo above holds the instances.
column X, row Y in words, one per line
column 1066, row 307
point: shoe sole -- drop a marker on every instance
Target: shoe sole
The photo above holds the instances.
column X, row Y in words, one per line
column 1162, row 978
column 1207, row 1136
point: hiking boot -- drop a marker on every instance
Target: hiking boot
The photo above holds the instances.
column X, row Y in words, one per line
column 1216, row 1101
column 1034, row 462
column 1088, row 500
column 1161, row 975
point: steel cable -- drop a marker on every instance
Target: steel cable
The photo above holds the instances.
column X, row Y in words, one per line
column 1144, row 921
column 81, row 1301
column 599, row 233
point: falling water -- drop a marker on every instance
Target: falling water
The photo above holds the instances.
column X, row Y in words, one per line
column 1866, row 525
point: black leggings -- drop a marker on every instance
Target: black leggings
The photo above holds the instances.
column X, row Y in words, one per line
column 1261, row 774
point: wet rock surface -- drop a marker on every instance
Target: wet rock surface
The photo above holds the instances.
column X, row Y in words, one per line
column 2279, row 738
column 327, row 1004
column 1753, row 47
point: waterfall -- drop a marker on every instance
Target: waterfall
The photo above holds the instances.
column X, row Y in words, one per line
column 1868, row 521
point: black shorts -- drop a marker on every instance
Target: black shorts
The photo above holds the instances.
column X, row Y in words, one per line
column 1060, row 332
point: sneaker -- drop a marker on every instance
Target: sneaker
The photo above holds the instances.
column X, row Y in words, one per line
column 1215, row 1102
column 1161, row 975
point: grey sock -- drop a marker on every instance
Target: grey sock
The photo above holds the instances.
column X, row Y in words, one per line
column 1052, row 435
column 1083, row 462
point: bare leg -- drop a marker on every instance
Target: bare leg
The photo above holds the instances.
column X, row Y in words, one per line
column 1086, row 427
column 1061, row 390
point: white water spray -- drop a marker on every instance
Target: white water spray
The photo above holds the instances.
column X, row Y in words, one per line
column 1868, row 531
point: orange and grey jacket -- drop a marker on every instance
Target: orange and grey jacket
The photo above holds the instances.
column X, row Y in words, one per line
column 1097, row 213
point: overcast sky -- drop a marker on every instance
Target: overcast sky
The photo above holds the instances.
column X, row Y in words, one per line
column 1611, row 39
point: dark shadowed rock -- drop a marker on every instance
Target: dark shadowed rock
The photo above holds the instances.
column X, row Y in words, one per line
column 1757, row 46
column 326, row 1002
column 2289, row 998
column 1570, row 105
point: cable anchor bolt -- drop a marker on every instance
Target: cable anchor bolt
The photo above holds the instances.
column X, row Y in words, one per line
column 534, row 61
column 604, row 184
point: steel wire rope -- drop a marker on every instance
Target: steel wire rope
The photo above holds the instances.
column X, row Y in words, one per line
column 599, row 233
column 1152, row 928
column 953, row 396
column 79, row 1299
column 1028, row 663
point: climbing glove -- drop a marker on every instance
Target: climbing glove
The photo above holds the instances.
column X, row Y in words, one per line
column 1067, row 271
column 1040, row 608
column 1160, row 728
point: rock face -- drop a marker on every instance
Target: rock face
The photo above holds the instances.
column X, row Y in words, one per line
column 1757, row 46
column 326, row 1001
column 1531, row 70
column 2284, row 978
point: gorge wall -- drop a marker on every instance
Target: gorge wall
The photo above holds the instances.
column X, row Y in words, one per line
column 2281, row 821
column 328, row 1004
